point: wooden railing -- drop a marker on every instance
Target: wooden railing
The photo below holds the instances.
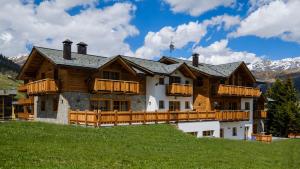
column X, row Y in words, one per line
column 25, row 101
column 262, row 138
column 25, row 116
column 97, row 118
column 22, row 88
column 118, row 86
column 43, row 86
column 232, row 90
column 260, row 114
column 231, row 115
column 176, row 89
column 294, row 135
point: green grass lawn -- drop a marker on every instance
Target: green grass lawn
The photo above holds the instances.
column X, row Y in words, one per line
column 40, row 145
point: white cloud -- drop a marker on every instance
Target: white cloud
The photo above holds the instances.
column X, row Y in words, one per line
column 48, row 24
column 197, row 7
column 275, row 19
column 219, row 53
column 193, row 32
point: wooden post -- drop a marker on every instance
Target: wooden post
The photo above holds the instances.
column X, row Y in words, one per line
column 77, row 122
column 188, row 115
column 130, row 117
column 168, row 120
column 96, row 120
column 99, row 118
column 156, row 117
column 85, row 113
column 144, row 122
column 116, row 118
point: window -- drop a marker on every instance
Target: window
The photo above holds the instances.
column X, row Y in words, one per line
column 161, row 81
column 103, row 105
column 174, row 79
column 111, row 75
column 161, row 104
column 247, row 106
column 43, row 105
column 174, row 105
column 121, row 105
column 187, row 82
column 199, row 81
column 187, row 105
column 222, row 81
column 207, row 133
column 234, row 131
column 54, row 104
column 233, row 106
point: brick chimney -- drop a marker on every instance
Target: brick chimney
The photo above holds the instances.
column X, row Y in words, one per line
column 195, row 59
column 67, row 49
column 81, row 48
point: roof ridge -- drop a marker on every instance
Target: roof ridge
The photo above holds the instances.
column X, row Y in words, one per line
column 71, row 52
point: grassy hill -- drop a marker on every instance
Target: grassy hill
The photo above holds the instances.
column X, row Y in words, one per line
column 8, row 82
column 40, row 145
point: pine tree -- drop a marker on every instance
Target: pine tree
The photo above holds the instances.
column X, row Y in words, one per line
column 283, row 112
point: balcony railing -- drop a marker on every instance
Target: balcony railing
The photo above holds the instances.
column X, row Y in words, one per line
column 22, row 88
column 25, row 101
column 176, row 89
column 260, row 114
column 44, row 86
column 232, row 115
column 25, row 116
column 232, row 90
column 97, row 118
column 116, row 86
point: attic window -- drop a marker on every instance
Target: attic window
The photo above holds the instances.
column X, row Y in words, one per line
column 200, row 81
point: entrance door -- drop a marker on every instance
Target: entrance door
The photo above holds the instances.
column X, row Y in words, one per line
column 222, row 133
column 246, row 133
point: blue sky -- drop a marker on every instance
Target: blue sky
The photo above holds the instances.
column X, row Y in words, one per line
column 143, row 28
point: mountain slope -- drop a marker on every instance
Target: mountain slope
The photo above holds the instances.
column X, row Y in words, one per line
column 8, row 73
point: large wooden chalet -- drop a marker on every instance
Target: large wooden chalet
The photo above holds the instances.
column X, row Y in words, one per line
column 75, row 87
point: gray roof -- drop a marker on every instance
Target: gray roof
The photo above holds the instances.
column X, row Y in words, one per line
column 93, row 61
column 222, row 70
column 80, row 60
column 8, row 92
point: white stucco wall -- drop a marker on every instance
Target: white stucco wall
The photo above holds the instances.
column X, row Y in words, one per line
column 199, row 127
column 156, row 92
column 241, row 125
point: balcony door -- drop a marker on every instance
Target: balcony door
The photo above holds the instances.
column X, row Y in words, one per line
column 101, row 105
column 174, row 106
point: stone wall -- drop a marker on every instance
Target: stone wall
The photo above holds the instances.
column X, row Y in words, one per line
column 78, row 101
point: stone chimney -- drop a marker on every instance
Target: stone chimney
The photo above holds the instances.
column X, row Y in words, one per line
column 195, row 59
column 67, row 49
column 81, row 48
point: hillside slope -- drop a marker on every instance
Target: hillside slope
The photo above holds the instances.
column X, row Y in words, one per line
column 40, row 145
column 8, row 73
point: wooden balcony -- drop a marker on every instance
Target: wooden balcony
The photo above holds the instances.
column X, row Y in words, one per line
column 22, row 88
column 232, row 115
column 113, row 117
column 242, row 91
column 176, row 89
column 25, row 101
column 260, row 114
column 44, row 86
column 116, row 86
